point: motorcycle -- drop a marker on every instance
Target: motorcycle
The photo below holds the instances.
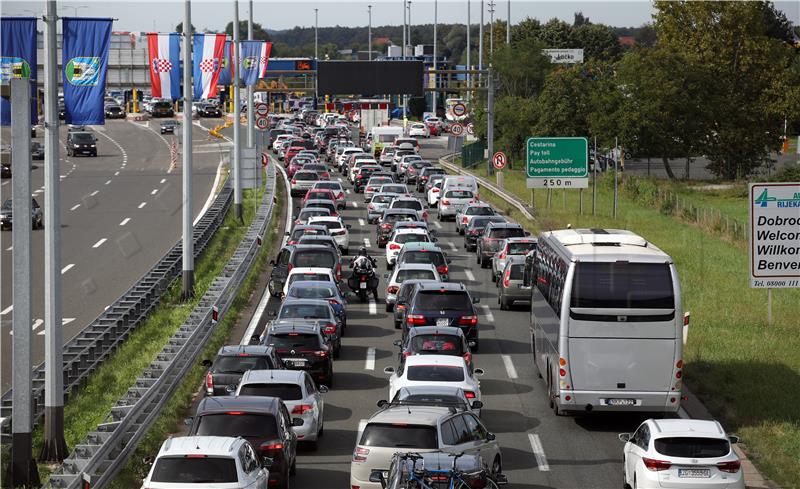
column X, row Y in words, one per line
column 363, row 282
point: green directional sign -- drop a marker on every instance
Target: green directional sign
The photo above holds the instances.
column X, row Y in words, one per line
column 558, row 158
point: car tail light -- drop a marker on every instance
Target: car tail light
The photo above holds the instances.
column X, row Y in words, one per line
column 445, row 202
column 289, row 268
column 415, row 320
column 730, row 467
column 340, row 196
column 360, row 455
column 468, row 320
column 502, row 255
column 394, row 246
column 475, row 232
column 302, row 408
column 360, row 177
column 656, row 465
column 442, row 269
column 209, row 383
column 469, row 394
column 321, row 353
column 436, row 190
column 271, row 446
column 406, row 354
column 294, row 180
column 329, row 329
column 468, row 357
column 371, row 206
column 464, row 220
column 506, row 277
column 339, row 271
column 424, row 216
column 393, row 289
column 387, row 225
column 195, row 455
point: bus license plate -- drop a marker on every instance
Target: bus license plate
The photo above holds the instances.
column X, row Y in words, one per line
column 694, row 473
column 620, row 402
column 442, row 322
column 362, row 285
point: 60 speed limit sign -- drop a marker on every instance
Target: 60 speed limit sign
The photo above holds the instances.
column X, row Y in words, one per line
column 499, row 160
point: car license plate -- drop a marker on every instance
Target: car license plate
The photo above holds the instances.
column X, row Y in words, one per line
column 620, row 402
column 694, row 473
column 441, row 322
column 362, row 285
column 295, row 362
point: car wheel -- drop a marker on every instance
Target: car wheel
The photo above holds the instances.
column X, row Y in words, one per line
column 321, row 431
column 494, row 277
column 497, row 466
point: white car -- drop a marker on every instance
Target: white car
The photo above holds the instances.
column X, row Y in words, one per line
column 405, row 161
column 407, row 271
column 345, row 155
column 308, row 273
column 419, row 130
column 400, row 237
column 276, row 145
column 339, row 230
column 207, row 462
column 297, row 390
column 465, row 214
column 411, row 203
column 447, row 370
column 352, row 171
column 452, row 200
column 434, row 192
column 678, row 453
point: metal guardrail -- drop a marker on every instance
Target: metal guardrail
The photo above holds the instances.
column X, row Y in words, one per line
column 445, row 161
column 104, row 451
column 85, row 352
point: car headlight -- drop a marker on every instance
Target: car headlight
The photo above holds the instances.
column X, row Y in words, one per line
column 75, row 145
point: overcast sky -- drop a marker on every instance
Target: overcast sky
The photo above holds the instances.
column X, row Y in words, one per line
column 213, row 15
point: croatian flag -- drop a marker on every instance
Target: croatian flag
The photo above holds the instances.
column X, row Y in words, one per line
column 253, row 64
column 164, row 59
column 209, row 51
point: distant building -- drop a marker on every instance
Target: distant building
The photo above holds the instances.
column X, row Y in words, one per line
column 628, row 41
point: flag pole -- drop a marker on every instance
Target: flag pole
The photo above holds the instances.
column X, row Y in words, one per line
column 237, row 109
column 187, row 291
column 250, row 112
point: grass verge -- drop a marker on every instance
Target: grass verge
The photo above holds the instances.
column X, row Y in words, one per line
column 746, row 373
column 92, row 403
column 177, row 408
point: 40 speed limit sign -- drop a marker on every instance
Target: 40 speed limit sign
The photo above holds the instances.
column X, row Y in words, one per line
column 457, row 129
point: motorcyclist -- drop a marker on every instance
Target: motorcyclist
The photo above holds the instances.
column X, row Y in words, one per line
column 363, row 263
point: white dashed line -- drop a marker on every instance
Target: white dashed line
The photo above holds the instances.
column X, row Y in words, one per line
column 99, row 243
column 116, row 173
column 5, row 183
column 436, row 223
column 361, row 222
column 67, row 268
column 142, row 204
column 452, row 246
column 470, row 275
column 538, row 452
column 347, row 191
column 6, row 310
column 373, row 308
column 370, row 363
column 94, row 193
column 163, row 180
column 107, row 182
column 124, row 221
column 488, row 313
column 367, row 243
column 74, row 207
column 355, row 204
column 36, row 324
column 65, row 321
column 340, row 179
column 510, row 370
column 10, row 248
column 154, row 191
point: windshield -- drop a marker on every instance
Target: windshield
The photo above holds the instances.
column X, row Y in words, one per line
column 287, row 392
column 403, row 275
column 431, row 257
column 686, row 447
column 294, row 340
column 399, row 435
column 82, row 137
column 306, row 311
column 520, row 248
column 437, row 343
column 244, row 425
column 203, row 470
column 436, row 373
column 314, row 259
column 312, row 292
column 437, row 300
column 458, row 194
column 623, row 285
column 230, row 364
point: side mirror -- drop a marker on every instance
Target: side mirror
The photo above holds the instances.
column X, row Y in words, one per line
column 449, row 260
column 272, row 262
column 491, row 437
column 388, row 370
column 382, row 403
column 479, row 372
column 624, row 437
column 206, row 363
column 323, row 389
column 476, row 300
column 148, row 460
column 397, row 343
column 188, row 421
column 286, row 233
column 255, row 339
column 434, row 239
column 471, row 344
column 348, row 226
column 297, row 421
column 733, row 439
column 476, row 404
column 385, row 275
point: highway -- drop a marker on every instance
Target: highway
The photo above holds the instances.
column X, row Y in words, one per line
column 540, row 450
column 120, row 212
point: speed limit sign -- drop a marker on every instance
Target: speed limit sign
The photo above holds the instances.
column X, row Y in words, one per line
column 262, row 123
column 471, row 129
column 457, row 129
column 499, row 160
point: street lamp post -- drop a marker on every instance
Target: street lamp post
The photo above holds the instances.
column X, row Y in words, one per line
column 369, row 33
column 491, row 27
column 316, row 33
column 469, row 48
column 186, row 156
column 250, row 112
column 435, row 25
column 409, row 24
column 508, row 24
column 237, row 112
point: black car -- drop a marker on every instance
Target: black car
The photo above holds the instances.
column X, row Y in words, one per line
column 37, row 150
column 475, row 228
column 79, row 142
column 232, row 362
column 425, row 174
column 443, row 304
column 209, row 110
column 492, row 238
column 114, row 112
column 363, row 177
column 433, row 340
column 317, row 311
column 302, row 347
column 301, row 256
column 162, row 109
column 263, row 421
column 386, row 223
column 7, row 218
column 168, row 127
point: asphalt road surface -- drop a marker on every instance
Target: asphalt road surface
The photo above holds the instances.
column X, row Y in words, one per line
column 120, row 212
column 539, row 449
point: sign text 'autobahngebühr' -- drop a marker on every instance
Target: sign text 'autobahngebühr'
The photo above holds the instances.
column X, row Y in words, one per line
column 774, row 235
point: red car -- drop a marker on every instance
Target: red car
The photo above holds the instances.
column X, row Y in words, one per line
column 293, row 167
column 291, row 153
column 319, row 193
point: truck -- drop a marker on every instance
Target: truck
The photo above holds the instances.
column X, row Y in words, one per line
column 373, row 113
column 383, row 136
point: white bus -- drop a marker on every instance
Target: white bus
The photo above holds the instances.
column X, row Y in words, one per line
column 606, row 322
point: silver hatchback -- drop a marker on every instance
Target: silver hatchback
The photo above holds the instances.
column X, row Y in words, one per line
column 452, row 200
column 510, row 286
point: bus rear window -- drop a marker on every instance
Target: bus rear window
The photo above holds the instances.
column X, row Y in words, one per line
column 623, row 286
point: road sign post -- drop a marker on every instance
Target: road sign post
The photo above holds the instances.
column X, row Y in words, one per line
column 557, row 162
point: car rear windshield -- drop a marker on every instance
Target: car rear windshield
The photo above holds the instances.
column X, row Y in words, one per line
column 314, row 259
column 294, row 340
column 306, row 213
column 204, row 470
column 306, row 176
column 520, row 248
column 437, row 300
column 239, row 364
column 330, row 185
column 319, row 194
column 331, row 225
column 306, row 232
column 396, row 189
column 382, row 199
column 437, row 343
column 504, row 232
column 315, row 292
column 458, row 194
column 399, row 435
column 482, row 221
column 399, row 217
column 692, row 447
column 623, row 285
column 436, row 373
column 246, row 425
column 403, row 275
column 431, row 257
column 309, row 276
column 411, row 238
column 287, row 392
column 407, row 204
column 306, row 311
column 480, row 211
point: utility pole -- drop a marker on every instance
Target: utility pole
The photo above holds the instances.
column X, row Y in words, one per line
column 405, row 44
column 490, row 120
column 469, row 50
column 54, row 448
column 237, row 109
column 491, row 27
column 250, row 114
column 508, row 24
column 434, row 94
column 409, row 25
column 369, row 33
column 616, row 176
column 187, row 291
column 480, row 41
column 316, row 55
column 594, row 180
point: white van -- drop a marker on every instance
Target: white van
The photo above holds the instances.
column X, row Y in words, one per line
column 461, row 182
column 384, row 136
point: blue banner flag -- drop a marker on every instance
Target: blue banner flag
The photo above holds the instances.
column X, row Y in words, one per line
column 85, row 64
column 226, row 72
column 17, row 59
column 253, row 61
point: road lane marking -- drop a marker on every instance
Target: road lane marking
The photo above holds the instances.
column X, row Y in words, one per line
column 99, row 243
column 163, row 180
column 107, row 182
column 510, row 370
column 361, row 222
column 116, row 173
column 347, row 191
column 355, row 204
column 367, row 243
column 94, row 193
column 10, row 248
column 488, row 313
column 36, row 324
column 67, row 268
column 7, row 310
column 5, row 183
column 125, row 221
column 142, row 204
column 340, row 179
column 470, row 275
column 452, row 246
column 538, row 452
column 436, row 223
column 373, row 308
column 74, row 207
column 154, row 191
column 65, row 321
column 369, row 364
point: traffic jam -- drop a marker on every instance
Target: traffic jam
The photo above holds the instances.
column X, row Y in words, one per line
column 408, row 252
